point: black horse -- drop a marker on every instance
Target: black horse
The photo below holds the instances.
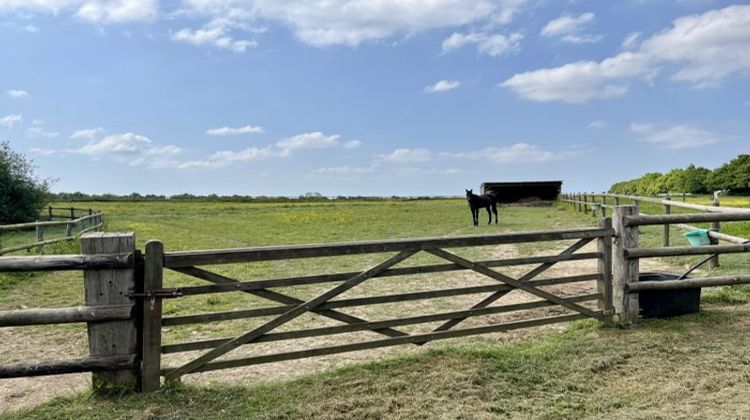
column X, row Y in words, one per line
column 476, row 202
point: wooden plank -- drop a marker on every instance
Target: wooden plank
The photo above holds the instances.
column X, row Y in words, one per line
column 325, row 278
column 687, row 283
column 288, row 316
column 679, row 204
column 65, row 262
column 624, row 269
column 90, row 364
column 635, row 253
column 440, row 335
column 288, row 300
column 370, row 300
column 343, row 329
column 225, row 256
column 151, row 319
column 65, row 315
column 513, row 282
column 106, row 287
column 525, row 278
column 686, row 218
column 604, row 265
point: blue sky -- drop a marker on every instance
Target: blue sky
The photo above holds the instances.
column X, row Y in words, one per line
column 379, row 97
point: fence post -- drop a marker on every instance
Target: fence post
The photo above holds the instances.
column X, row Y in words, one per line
column 50, row 212
column 72, row 213
column 604, row 284
column 68, row 230
column 617, row 202
column 111, row 287
column 151, row 326
column 665, row 233
column 585, row 204
column 624, row 270
column 716, row 227
column 39, row 231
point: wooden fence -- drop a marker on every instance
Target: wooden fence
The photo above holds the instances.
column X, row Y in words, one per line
column 602, row 203
column 110, row 277
column 126, row 323
column 124, row 291
column 69, row 213
column 74, row 228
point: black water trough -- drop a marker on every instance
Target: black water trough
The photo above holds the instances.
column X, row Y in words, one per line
column 667, row 303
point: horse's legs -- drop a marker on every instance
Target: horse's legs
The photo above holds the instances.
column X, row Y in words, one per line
column 494, row 210
column 489, row 214
column 475, row 216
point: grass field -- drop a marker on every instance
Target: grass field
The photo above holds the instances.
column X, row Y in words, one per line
column 555, row 374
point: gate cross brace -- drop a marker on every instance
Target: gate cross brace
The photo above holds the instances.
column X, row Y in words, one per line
column 288, row 316
column 515, row 283
column 526, row 277
column 284, row 299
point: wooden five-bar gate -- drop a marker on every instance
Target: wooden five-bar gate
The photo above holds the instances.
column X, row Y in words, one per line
column 124, row 291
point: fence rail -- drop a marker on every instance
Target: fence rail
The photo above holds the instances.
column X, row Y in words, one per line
column 73, row 228
column 586, row 202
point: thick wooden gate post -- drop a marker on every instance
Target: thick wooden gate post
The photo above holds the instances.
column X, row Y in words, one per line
column 111, row 287
column 151, row 346
column 624, row 270
column 604, row 284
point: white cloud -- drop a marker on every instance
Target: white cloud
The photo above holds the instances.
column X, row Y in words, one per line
column 704, row 49
column 9, row 121
column 118, row 11
column 352, row 22
column 345, row 169
column 215, row 33
column 581, row 81
column 17, row 93
column 133, row 149
column 515, row 153
column 442, row 86
column 352, row 144
column 569, row 28
column 494, row 45
column 229, row 131
column 402, row 155
column 674, row 137
column 40, row 132
column 86, row 133
column 567, row 24
column 314, row 140
column 630, row 41
column 281, row 149
column 117, row 144
column 95, row 11
column 598, row 124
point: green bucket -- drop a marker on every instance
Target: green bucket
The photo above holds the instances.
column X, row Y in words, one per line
column 698, row 237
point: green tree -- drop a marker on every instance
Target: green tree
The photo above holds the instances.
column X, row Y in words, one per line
column 733, row 176
column 22, row 194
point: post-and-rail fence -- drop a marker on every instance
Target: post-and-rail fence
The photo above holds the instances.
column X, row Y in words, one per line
column 78, row 221
column 124, row 291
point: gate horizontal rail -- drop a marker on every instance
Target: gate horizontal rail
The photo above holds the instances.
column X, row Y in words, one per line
column 227, row 256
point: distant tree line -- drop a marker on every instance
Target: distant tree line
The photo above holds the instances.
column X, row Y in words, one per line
column 733, row 176
column 307, row 197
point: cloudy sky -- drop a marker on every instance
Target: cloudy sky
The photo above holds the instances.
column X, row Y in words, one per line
column 382, row 97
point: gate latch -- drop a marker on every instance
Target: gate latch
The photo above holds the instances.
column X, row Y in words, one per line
column 157, row 294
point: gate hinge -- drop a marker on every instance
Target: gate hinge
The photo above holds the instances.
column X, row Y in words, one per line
column 157, row 294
